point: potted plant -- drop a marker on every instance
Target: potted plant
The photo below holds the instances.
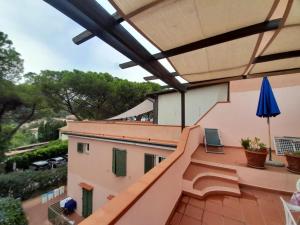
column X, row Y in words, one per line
column 293, row 160
column 255, row 151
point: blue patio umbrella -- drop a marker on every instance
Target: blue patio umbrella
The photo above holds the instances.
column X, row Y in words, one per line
column 267, row 106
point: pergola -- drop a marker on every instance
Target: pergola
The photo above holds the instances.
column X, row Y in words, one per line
column 206, row 41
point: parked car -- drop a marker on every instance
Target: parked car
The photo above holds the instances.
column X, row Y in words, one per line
column 40, row 165
column 57, row 162
column 66, row 157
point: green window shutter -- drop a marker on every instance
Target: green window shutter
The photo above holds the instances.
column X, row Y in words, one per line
column 80, row 147
column 121, row 158
column 87, row 203
column 84, row 203
column 149, row 162
column 114, row 153
column 90, row 202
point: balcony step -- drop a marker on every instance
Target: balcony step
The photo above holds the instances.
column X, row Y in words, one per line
column 201, row 180
column 197, row 168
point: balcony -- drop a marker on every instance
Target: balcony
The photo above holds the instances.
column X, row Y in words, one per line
column 134, row 131
column 56, row 216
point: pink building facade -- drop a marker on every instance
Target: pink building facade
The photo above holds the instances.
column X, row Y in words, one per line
column 237, row 118
column 151, row 198
column 92, row 168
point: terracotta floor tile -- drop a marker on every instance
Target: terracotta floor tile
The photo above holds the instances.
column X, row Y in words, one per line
column 181, row 207
column 251, row 212
column 228, row 221
column 232, row 202
column 248, row 202
column 197, row 203
column 176, row 218
column 249, row 209
column 215, row 198
column 260, row 194
column 186, row 220
column 213, row 206
column 194, row 212
column 233, row 213
column 270, row 212
column 185, row 199
column 210, row 218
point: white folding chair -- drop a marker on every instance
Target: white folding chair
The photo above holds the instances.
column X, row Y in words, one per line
column 289, row 219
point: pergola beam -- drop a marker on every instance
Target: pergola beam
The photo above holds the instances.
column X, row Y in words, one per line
column 240, row 77
column 87, row 35
column 96, row 19
column 175, row 74
column 218, row 39
column 259, row 59
column 277, row 56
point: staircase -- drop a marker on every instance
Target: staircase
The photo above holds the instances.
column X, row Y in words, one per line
column 204, row 178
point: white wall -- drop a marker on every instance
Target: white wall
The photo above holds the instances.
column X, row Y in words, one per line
column 197, row 103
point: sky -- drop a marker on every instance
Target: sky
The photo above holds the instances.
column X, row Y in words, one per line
column 43, row 37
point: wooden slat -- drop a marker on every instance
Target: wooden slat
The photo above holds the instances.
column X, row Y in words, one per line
column 175, row 74
column 87, row 35
column 277, row 56
column 218, row 39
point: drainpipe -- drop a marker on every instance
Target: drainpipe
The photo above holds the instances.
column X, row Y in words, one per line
column 182, row 110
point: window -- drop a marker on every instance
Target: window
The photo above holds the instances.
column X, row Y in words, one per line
column 119, row 158
column 83, row 147
column 151, row 161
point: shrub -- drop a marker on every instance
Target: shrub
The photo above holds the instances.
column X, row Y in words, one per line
column 23, row 161
column 11, row 212
column 28, row 183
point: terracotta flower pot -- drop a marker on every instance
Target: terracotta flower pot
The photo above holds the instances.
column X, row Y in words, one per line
column 256, row 159
column 293, row 162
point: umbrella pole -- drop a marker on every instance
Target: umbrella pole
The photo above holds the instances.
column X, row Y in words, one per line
column 269, row 132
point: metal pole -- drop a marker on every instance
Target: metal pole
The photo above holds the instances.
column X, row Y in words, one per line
column 269, row 131
column 182, row 110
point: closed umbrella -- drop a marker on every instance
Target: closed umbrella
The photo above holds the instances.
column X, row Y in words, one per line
column 267, row 107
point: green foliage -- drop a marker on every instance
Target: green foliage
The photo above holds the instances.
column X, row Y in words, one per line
column 90, row 95
column 29, row 183
column 11, row 64
column 18, row 102
column 11, row 212
column 50, row 130
column 245, row 143
column 23, row 161
column 22, row 137
column 253, row 145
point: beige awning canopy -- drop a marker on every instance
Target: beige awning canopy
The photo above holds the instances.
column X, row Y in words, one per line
column 170, row 24
column 142, row 108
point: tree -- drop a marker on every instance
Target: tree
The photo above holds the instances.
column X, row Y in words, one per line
column 50, row 130
column 90, row 95
column 17, row 106
column 18, row 103
column 11, row 64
